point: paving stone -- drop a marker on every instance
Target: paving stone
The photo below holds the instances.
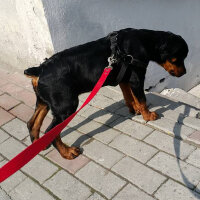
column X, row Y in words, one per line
column 3, row 82
column 40, row 169
column 19, row 79
column 70, row 165
column 100, row 179
column 29, row 190
column 110, row 93
column 7, row 102
column 131, row 128
column 4, row 196
column 130, row 192
column 102, row 154
column 197, row 189
column 23, row 112
column 16, row 128
column 11, row 148
column 194, row 158
column 173, row 191
column 176, row 169
column 1, row 92
column 3, row 136
column 124, row 111
column 12, row 89
column 78, row 121
column 170, row 144
column 72, row 137
column 195, row 91
column 66, row 186
column 95, row 196
column 27, row 97
column 108, row 104
column 1, row 158
column 194, row 137
column 138, row 174
column 134, row 148
column 99, row 115
column 14, row 180
column 172, row 127
column 191, row 122
column 5, row 117
column 45, row 124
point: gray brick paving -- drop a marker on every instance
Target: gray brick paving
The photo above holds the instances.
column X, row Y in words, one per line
column 172, row 127
column 138, row 174
column 95, row 196
column 197, row 189
column 29, row 190
column 194, row 158
column 131, row 128
column 183, row 172
column 130, row 192
column 100, row 179
column 191, row 122
column 65, row 186
column 39, row 164
column 11, row 147
column 173, row 191
column 170, row 144
column 16, row 128
column 102, row 154
column 3, row 195
column 4, row 136
column 134, row 148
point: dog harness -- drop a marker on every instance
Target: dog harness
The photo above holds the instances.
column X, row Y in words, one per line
column 126, row 60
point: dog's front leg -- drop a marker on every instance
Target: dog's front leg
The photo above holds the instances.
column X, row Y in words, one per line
column 135, row 100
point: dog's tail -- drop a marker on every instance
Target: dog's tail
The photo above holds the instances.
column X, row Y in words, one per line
column 33, row 72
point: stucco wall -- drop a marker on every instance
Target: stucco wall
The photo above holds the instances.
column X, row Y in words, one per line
column 73, row 22
column 24, row 35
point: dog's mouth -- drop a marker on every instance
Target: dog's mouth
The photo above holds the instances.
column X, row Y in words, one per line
column 173, row 73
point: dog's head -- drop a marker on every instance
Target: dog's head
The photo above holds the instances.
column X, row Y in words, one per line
column 173, row 51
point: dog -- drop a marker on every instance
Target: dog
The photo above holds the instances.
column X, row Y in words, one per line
column 59, row 80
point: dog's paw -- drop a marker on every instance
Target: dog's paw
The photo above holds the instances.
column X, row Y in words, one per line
column 71, row 153
column 150, row 116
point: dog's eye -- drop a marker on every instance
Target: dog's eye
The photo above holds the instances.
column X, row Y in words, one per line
column 173, row 60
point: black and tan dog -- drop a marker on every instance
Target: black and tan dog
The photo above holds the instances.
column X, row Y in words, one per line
column 62, row 78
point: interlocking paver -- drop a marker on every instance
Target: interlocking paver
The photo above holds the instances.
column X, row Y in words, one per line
column 194, row 158
column 100, row 179
column 66, row 186
column 99, row 115
column 134, row 148
column 7, row 102
column 11, row 147
column 95, row 196
column 29, row 190
column 172, row 127
column 5, row 116
column 130, row 192
column 194, row 137
column 22, row 112
column 173, row 191
column 176, row 169
column 16, row 128
column 70, row 165
column 191, row 122
column 12, row 89
column 3, row 195
column 138, row 174
column 102, row 154
column 3, row 82
column 39, row 164
column 14, row 180
column 131, row 128
column 3, row 136
column 169, row 144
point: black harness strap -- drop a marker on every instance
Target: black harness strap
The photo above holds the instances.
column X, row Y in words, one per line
column 126, row 60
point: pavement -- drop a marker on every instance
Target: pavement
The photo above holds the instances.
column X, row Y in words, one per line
column 124, row 158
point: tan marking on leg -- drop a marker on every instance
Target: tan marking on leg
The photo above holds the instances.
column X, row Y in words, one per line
column 128, row 96
column 65, row 151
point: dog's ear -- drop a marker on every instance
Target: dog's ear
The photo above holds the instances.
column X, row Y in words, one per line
column 134, row 79
column 163, row 52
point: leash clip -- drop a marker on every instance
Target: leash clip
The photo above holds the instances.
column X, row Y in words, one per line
column 112, row 60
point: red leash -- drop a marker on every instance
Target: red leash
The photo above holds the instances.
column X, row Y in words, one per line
column 31, row 151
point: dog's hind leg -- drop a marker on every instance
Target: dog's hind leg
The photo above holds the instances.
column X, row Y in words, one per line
column 66, row 108
column 35, row 123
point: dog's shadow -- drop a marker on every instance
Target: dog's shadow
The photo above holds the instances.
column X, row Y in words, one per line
column 156, row 103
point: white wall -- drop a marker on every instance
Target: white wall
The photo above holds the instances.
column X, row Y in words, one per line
column 73, row 22
column 24, row 35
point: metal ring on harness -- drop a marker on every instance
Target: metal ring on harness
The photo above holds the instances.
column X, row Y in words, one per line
column 131, row 59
